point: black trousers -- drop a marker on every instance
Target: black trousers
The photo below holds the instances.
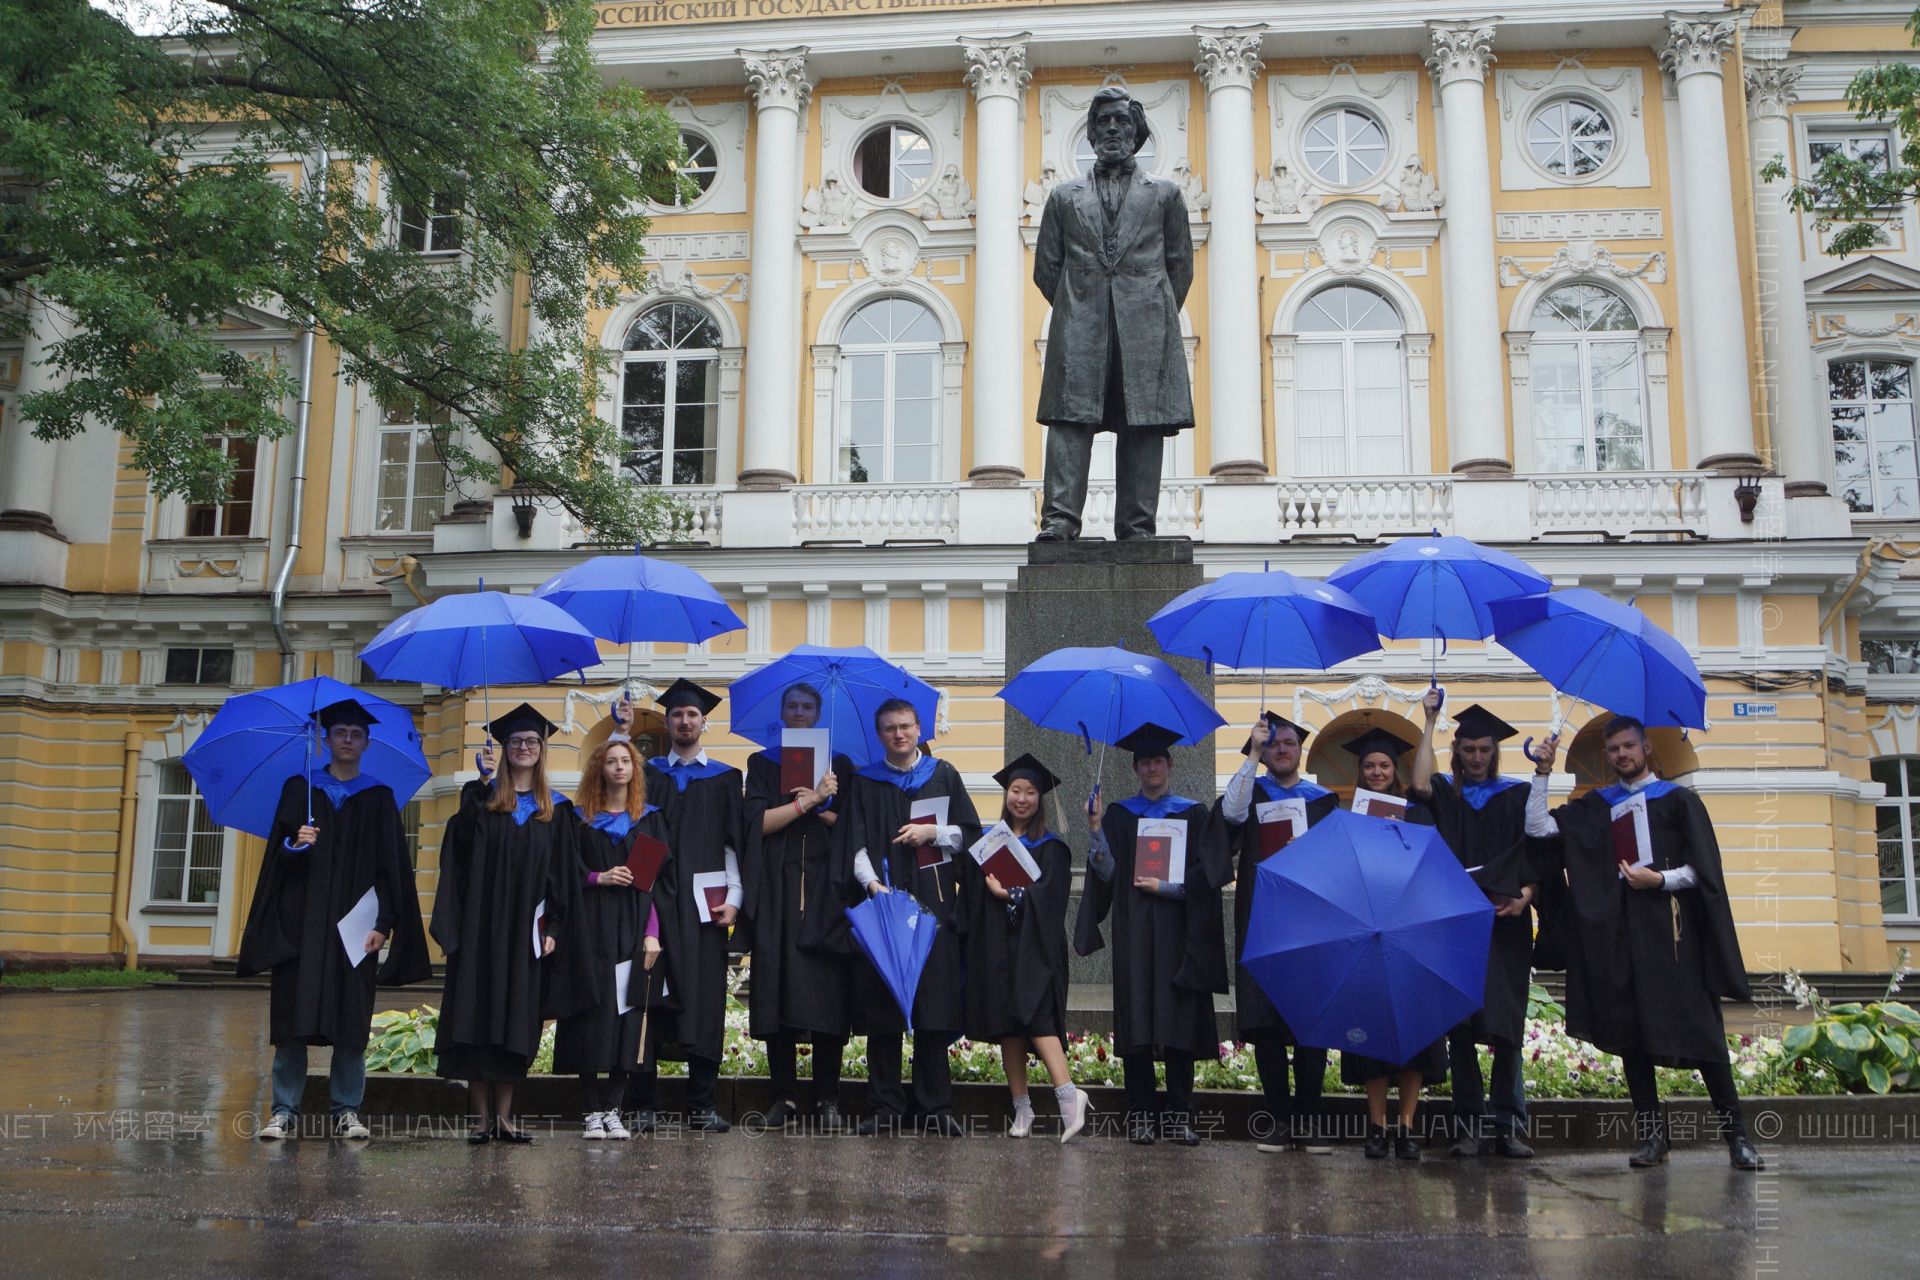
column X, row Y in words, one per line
column 1295, row 1107
column 1641, row 1087
column 1139, row 453
column 1143, row 1091
column 643, row 1085
column 932, row 1080
column 783, row 1066
column 1472, row 1113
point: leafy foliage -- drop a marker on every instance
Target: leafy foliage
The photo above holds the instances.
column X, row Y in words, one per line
column 151, row 185
column 1867, row 1046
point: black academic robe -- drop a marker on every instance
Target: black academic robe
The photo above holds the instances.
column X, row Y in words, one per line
column 1253, row 1011
column 1169, row 954
column 1494, row 839
column 1646, row 968
column 799, row 926
column 494, row 872
column 872, row 810
column 320, row 996
column 703, row 821
column 1017, row 960
column 612, row 923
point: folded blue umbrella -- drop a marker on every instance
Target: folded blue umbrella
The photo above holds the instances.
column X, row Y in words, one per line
column 481, row 638
column 1605, row 653
column 852, row 683
column 631, row 598
column 1103, row 695
column 897, row 936
column 1271, row 619
column 1369, row 936
column 1436, row 588
column 256, row 741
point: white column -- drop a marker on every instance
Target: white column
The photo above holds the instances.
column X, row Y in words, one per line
column 997, row 70
column 1722, row 438
column 1797, row 422
column 777, row 81
column 27, row 463
column 1228, row 65
column 1470, row 343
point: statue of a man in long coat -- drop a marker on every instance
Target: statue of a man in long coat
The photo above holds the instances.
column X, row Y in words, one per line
column 1115, row 258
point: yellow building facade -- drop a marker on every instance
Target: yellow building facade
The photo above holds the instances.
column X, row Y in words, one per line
column 1513, row 278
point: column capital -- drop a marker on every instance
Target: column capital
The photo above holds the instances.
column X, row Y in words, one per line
column 1771, row 88
column 777, row 77
column 1461, row 50
column 1696, row 43
column 996, row 65
column 1229, row 56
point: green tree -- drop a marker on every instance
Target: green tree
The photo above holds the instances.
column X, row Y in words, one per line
column 144, row 194
column 1858, row 192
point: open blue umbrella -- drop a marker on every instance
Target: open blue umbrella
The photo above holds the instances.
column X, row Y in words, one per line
column 852, row 682
column 1271, row 619
column 1605, row 653
column 1105, row 694
column 1369, row 935
column 897, row 936
column 1436, row 588
column 627, row 599
column 256, row 741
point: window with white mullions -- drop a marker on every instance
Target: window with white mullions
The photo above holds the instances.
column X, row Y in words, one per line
column 670, row 396
column 1344, row 146
column 411, row 492
column 1570, row 137
column 232, row 517
column 188, row 847
column 1873, row 148
column 1870, row 403
column 893, row 162
column 702, row 165
column 1350, row 392
column 431, row 225
column 889, row 394
column 1894, row 823
column 1589, row 391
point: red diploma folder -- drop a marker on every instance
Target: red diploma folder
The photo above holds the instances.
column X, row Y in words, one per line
column 644, row 859
column 1152, row 856
column 1006, row 868
column 1632, row 842
column 1626, row 849
column 716, row 897
column 930, row 811
column 796, row 769
column 1275, row 821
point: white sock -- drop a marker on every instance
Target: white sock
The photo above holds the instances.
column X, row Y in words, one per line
column 1023, row 1103
column 1063, row 1094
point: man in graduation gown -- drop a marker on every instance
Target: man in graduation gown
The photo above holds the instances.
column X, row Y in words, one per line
column 318, row 868
column 1278, row 744
column 1169, row 946
column 1482, row 817
column 801, row 952
column 879, row 848
column 703, row 810
column 1651, row 948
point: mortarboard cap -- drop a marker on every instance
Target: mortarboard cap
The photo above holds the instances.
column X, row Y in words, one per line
column 1478, row 722
column 345, row 711
column 1148, row 741
column 1377, row 740
column 685, row 693
column 522, row 719
column 1276, row 722
column 1032, row 770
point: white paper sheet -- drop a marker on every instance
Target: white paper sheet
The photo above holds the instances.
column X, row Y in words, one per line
column 1176, row 836
column 1293, row 811
column 821, row 742
column 1365, row 800
column 701, row 881
column 356, row 925
column 1635, row 806
column 622, row 972
column 539, row 933
column 930, row 806
column 1000, row 836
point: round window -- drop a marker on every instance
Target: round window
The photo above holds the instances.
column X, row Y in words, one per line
column 1344, row 146
column 893, row 162
column 1570, row 138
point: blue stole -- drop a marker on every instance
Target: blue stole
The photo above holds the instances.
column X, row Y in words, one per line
column 524, row 807
column 682, row 772
column 1619, row 791
column 339, row 792
column 1477, row 794
column 908, row 780
column 1165, row 807
column 618, row 822
column 1301, row 790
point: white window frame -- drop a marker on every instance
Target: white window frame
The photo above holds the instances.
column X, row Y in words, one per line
column 842, row 424
column 827, row 371
column 1906, row 803
column 1583, row 341
column 1346, row 340
column 712, row 169
column 1655, row 339
column 415, row 431
column 195, row 832
column 671, row 357
column 914, row 190
column 1912, row 402
column 1845, row 137
column 1563, row 100
column 1348, row 182
column 429, row 249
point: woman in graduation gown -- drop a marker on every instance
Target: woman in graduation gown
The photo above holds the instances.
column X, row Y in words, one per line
column 318, row 869
column 1279, row 745
column 618, row 926
column 1378, row 753
column 801, row 951
column 1169, row 945
column 509, row 874
column 1017, row 952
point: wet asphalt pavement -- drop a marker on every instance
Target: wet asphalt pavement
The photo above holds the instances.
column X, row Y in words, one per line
column 123, row 1148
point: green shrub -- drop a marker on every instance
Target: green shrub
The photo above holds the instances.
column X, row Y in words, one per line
column 1871, row 1047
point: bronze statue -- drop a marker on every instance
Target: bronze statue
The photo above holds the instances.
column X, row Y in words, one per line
column 1115, row 258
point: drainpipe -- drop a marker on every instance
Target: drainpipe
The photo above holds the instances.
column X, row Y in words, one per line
column 297, row 490
column 123, row 849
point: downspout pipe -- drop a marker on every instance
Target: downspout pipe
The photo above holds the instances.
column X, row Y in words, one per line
column 123, row 850
column 297, row 489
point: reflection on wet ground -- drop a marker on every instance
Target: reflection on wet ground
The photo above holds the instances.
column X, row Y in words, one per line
column 122, row 1140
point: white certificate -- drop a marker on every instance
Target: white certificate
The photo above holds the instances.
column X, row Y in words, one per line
column 356, row 925
column 622, row 972
column 539, row 929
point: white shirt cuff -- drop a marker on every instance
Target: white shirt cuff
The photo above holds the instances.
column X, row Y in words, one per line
column 736, row 891
column 863, row 870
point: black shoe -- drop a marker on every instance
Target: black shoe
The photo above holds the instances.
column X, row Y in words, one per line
column 644, row 1121
column 1651, row 1152
column 885, row 1124
column 1512, row 1146
column 1140, row 1131
column 518, row 1137
column 941, row 1124
column 1376, row 1142
column 781, row 1114
column 1466, row 1146
column 1405, row 1146
column 1176, row 1129
column 479, row 1132
column 706, row 1120
column 1741, row 1154
column 1056, row 533
column 827, row 1117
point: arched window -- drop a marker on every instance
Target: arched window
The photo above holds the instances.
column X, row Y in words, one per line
column 889, row 394
column 1896, row 818
column 1589, row 398
column 670, row 395
column 1871, row 406
column 1350, row 392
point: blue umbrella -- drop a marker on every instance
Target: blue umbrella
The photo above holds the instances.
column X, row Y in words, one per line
column 852, row 681
column 1436, row 588
column 1271, row 619
column 1368, row 935
column 1604, row 652
column 256, row 741
column 897, row 935
column 1105, row 694
column 631, row 598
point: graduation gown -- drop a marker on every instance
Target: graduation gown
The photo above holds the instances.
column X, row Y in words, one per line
column 495, row 869
column 703, row 816
column 1485, row 824
column 877, row 802
column 319, row 995
column 1253, row 1011
column 612, row 923
column 1017, row 960
column 1646, row 968
column 1169, row 954
column 801, row 945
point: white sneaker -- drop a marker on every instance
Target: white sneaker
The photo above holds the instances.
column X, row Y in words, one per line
column 281, row 1126
column 1074, row 1116
column 1022, row 1123
column 596, row 1127
column 616, row 1130
column 347, row 1125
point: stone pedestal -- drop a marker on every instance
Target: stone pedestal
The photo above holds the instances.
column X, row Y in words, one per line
column 1094, row 594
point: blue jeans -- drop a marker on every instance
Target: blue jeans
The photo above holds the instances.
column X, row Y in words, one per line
column 346, row 1081
column 1502, row 1108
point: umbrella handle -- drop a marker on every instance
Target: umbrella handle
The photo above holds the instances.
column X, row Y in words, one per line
column 311, row 749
